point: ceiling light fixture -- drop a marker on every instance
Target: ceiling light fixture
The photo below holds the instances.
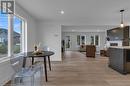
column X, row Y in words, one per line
column 122, row 24
column 62, row 12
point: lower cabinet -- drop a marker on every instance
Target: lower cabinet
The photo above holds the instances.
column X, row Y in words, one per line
column 120, row 59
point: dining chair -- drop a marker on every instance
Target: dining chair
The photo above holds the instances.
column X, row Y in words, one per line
column 21, row 74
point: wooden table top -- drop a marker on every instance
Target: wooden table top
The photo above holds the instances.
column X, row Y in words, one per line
column 43, row 54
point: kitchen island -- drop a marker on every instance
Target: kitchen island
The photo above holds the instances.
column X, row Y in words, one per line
column 119, row 59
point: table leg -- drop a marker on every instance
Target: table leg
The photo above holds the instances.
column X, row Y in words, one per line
column 45, row 69
column 32, row 60
column 49, row 63
column 24, row 62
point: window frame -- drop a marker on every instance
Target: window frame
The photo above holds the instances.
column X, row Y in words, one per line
column 22, row 38
column 10, row 35
column 23, row 35
column 94, row 39
column 98, row 40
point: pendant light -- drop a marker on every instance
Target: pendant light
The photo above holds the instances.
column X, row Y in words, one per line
column 122, row 24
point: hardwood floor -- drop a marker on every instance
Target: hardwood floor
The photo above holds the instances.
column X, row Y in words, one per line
column 78, row 70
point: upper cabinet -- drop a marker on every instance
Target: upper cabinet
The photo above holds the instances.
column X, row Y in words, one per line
column 119, row 33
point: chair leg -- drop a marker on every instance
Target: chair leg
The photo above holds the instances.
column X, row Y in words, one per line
column 16, row 81
column 41, row 76
column 13, row 81
column 32, row 80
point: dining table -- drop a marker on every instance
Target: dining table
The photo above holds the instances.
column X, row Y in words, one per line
column 44, row 55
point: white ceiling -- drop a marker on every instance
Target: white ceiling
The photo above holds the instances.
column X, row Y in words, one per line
column 86, row 12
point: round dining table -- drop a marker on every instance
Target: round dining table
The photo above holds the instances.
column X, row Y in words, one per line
column 44, row 55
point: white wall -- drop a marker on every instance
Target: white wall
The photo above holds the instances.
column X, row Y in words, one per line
column 87, row 30
column 50, row 35
column 31, row 27
column 5, row 67
column 73, row 39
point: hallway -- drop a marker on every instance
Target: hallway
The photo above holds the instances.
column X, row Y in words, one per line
column 77, row 70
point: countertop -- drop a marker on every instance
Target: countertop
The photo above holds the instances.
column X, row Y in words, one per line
column 120, row 47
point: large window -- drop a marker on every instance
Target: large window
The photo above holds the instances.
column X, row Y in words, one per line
column 96, row 40
column 17, row 33
column 88, row 39
column 83, row 39
column 78, row 39
column 3, row 35
column 11, row 34
column 92, row 40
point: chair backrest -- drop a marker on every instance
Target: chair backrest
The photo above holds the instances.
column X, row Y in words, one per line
column 17, row 62
column 90, row 50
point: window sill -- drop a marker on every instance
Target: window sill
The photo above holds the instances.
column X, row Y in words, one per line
column 4, row 59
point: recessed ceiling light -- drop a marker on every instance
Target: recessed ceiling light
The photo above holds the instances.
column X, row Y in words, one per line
column 62, row 12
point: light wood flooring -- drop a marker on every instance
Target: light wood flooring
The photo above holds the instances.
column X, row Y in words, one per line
column 78, row 70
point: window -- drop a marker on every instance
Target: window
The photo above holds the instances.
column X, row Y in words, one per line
column 17, row 33
column 96, row 40
column 11, row 24
column 92, row 40
column 78, row 39
column 83, row 39
column 86, row 39
column 3, row 35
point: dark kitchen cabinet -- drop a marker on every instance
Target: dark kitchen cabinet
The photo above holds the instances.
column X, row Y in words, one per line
column 120, row 59
column 119, row 33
